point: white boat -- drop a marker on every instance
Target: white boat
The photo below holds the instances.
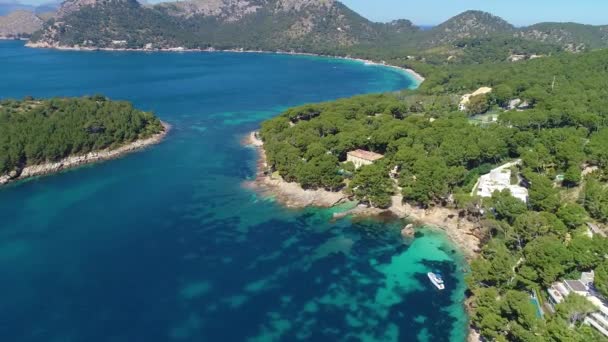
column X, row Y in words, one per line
column 436, row 280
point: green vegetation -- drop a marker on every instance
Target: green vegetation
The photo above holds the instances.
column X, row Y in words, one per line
column 434, row 158
column 601, row 276
column 439, row 154
column 577, row 36
column 37, row 131
column 595, row 199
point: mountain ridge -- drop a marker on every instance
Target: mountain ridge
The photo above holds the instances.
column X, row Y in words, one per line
column 315, row 26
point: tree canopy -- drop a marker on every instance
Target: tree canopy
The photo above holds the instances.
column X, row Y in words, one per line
column 38, row 131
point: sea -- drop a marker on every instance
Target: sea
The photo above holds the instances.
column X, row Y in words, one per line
column 166, row 244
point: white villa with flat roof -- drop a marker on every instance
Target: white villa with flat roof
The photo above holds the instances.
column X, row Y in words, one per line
column 362, row 157
column 583, row 287
column 499, row 179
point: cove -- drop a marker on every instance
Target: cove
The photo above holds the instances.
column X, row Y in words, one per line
column 166, row 244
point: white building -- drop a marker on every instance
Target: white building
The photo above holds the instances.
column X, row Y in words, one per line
column 362, row 157
column 499, row 179
column 583, row 287
column 466, row 98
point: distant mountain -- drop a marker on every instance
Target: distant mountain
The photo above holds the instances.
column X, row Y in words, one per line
column 470, row 24
column 19, row 24
column 48, row 7
column 303, row 25
column 8, row 6
column 573, row 36
column 318, row 26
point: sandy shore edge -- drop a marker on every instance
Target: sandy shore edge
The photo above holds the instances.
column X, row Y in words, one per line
column 460, row 230
column 415, row 75
column 89, row 158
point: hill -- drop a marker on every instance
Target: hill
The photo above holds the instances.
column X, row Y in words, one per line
column 573, row 36
column 19, row 24
column 470, row 24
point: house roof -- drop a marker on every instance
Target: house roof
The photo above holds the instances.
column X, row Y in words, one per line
column 576, row 285
column 367, row 155
column 482, row 90
column 467, row 97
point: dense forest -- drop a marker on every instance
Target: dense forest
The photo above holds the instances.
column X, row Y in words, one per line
column 37, row 131
column 561, row 137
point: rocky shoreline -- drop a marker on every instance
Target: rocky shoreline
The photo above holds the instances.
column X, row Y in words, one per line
column 91, row 157
column 290, row 195
column 43, row 45
column 460, row 230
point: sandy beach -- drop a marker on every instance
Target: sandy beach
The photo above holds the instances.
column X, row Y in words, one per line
column 415, row 75
column 460, row 230
column 91, row 157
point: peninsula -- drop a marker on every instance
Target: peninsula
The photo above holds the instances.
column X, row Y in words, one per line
column 539, row 131
column 40, row 137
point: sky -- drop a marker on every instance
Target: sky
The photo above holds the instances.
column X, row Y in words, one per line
column 517, row 12
column 432, row 12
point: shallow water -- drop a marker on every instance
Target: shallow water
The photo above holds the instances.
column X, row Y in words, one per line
column 166, row 245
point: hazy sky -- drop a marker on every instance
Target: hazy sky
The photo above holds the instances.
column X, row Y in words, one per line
column 517, row 12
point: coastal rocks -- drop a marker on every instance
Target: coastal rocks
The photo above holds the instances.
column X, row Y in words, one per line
column 291, row 195
column 408, row 231
column 4, row 179
column 74, row 161
column 460, row 231
column 360, row 210
column 254, row 140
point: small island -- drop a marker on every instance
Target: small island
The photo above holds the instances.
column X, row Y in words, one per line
column 40, row 137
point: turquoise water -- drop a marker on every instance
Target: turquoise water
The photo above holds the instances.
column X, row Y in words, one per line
column 166, row 244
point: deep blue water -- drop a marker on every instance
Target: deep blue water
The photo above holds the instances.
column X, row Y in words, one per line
column 166, row 244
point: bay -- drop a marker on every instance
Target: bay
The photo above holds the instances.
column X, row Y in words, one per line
column 166, row 244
